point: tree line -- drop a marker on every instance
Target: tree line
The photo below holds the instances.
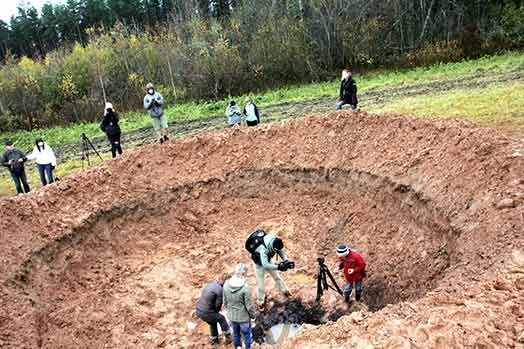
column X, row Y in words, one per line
column 61, row 63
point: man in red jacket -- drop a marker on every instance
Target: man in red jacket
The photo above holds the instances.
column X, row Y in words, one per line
column 354, row 269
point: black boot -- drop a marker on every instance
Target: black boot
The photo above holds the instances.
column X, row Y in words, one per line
column 162, row 140
column 166, row 138
column 358, row 296
column 347, row 298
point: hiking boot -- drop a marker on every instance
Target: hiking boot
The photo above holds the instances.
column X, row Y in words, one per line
column 262, row 306
column 287, row 294
column 162, row 140
column 166, row 138
column 227, row 338
column 215, row 341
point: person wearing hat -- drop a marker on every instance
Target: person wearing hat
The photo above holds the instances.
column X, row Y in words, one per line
column 348, row 91
column 240, row 308
column 233, row 114
column 111, row 128
column 208, row 310
column 45, row 159
column 354, row 268
column 14, row 160
column 154, row 103
column 251, row 113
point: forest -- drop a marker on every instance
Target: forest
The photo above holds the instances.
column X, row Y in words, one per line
column 61, row 62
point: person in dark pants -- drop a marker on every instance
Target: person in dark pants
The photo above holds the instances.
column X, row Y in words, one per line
column 208, row 310
column 14, row 160
column 111, row 128
column 348, row 91
column 251, row 113
column 45, row 161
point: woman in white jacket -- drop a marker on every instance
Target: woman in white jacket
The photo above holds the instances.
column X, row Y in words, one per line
column 45, row 161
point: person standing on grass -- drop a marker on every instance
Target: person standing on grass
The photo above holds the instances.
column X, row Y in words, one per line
column 233, row 114
column 154, row 103
column 251, row 113
column 348, row 91
column 111, row 128
column 240, row 308
column 14, row 160
column 45, row 161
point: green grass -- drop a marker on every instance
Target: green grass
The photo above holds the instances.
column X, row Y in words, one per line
column 7, row 188
column 497, row 105
column 292, row 94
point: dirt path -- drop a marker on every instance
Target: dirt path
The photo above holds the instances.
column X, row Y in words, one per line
column 371, row 98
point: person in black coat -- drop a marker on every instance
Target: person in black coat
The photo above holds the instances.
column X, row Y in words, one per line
column 111, row 128
column 14, row 160
column 348, row 91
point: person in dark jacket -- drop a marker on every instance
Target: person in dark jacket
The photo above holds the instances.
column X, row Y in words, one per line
column 348, row 91
column 14, row 160
column 111, row 128
column 208, row 310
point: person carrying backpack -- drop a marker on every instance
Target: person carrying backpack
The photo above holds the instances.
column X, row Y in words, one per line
column 14, row 160
column 111, row 128
column 354, row 268
column 263, row 247
column 348, row 91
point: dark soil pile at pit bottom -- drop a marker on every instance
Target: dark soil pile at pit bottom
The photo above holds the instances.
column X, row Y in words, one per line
column 115, row 257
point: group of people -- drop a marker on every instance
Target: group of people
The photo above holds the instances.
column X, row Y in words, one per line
column 234, row 293
column 14, row 159
column 250, row 113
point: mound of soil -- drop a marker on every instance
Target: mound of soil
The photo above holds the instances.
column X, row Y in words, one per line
column 115, row 257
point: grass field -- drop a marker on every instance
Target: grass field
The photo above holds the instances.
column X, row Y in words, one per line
column 464, row 89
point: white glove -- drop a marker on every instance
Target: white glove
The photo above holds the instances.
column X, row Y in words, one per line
column 351, row 271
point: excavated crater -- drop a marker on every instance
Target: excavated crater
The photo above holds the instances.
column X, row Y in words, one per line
column 144, row 262
column 127, row 266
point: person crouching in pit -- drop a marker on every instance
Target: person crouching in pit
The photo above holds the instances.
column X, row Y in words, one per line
column 208, row 310
column 354, row 268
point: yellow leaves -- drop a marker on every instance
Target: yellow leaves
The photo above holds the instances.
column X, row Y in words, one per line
column 67, row 87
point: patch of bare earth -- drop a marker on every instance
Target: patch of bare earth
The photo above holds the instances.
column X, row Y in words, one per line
column 115, row 257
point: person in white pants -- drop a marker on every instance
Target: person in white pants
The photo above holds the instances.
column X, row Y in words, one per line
column 266, row 251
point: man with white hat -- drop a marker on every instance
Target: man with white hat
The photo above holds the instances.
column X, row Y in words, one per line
column 354, row 268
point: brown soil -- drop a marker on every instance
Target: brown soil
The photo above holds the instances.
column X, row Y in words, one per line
column 115, row 257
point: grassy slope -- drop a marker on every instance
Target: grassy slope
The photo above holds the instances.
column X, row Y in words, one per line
column 500, row 104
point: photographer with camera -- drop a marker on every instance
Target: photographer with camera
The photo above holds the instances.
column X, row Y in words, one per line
column 354, row 268
column 263, row 247
column 154, row 103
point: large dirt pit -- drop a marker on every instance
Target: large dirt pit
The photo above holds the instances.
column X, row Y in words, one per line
column 115, row 257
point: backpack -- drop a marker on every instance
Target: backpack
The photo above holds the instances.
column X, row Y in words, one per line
column 253, row 242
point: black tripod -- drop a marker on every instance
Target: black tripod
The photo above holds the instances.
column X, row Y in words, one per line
column 86, row 148
column 322, row 282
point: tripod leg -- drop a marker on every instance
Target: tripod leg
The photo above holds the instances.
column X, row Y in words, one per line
column 333, row 281
column 320, row 291
column 93, row 147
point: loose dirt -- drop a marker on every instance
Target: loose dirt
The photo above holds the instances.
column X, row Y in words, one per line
column 115, row 257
